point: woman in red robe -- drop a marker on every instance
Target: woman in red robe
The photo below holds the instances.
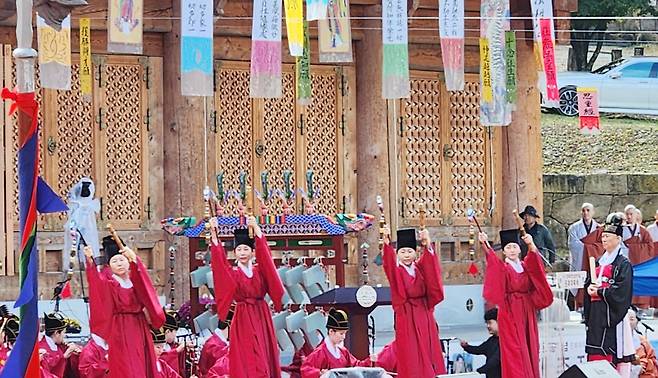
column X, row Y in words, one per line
column 132, row 302
column 519, row 289
column 254, row 352
column 416, row 287
column 329, row 354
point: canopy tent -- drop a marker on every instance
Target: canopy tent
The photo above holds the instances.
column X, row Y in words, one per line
column 645, row 278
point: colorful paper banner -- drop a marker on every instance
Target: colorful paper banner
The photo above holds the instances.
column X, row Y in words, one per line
column 316, row 9
column 588, row 111
column 494, row 108
column 485, row 71
column 197, row 48
column 303, row 71
column 395, row 72
column 265, row 80
column 510, row 66
column 552, row 92
column 125, row 26
column 335, row 33
column 295, row 26
column 85, row 58
column 54, row 54
column 540, row 9
column 451, row 30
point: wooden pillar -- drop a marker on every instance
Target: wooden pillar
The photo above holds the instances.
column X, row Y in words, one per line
column 372, row 134
column 183, row 153
column 522, row 149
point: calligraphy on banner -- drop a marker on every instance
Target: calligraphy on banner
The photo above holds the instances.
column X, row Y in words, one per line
column 54, row 54
column 451, row 30
column 335, row 34
column 550, row 70
column 295, row 26
column 265, row 79
column 197, row 48
column 125, row 26
column 85, row 58
column 495, row 110
column 316, row 9
column 540, row 9
column 588, row 111
column 510, row 66
column 395, row 72
column 303, row 72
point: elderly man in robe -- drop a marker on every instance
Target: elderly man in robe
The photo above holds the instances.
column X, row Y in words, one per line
column 584, row 241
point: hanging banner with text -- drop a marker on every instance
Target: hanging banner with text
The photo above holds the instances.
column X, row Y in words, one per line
column 196, row 48
column 395, row 72
column 316, row 9
column 335, row 34
column 125, row 25
column 550, row 70
column 303, row 71
column 588, row 111
column 540, row 9
column 54, row 54
column 495, row 110
column 85, row 59
column 295, row 26
column 510, row 67
column 451, row 30
column 265, row 80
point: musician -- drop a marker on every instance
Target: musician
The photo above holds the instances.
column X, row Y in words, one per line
column 416, row 287
column 53, row 351
column 330, row 354
column 489, row 348
column 174, row 352
column 163, row 369
column 519, row 289
column 608, row 298
column 254, row 351
column 94, row 358
column 8, row 333
column 132, row 302
column 216, row 347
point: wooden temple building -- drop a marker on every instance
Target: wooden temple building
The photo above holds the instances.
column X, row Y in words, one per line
column 142, row 142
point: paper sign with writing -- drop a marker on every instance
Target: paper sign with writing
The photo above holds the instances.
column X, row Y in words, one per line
column 85, row 58
column 54, row 54
column 510, row 66
column 495, row 110
column 540, row 9
column 451, row 30
column 197, row 47
column 335, row 34
column 588, row 111
column 295, row 26
column 265, row 80
column 125, row 26
column 550, row 70
column 303, row 71
column 395, row 72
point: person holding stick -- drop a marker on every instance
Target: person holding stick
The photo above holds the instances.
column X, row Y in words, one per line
column 519, row 289
column 254, row 352
column 133, row 303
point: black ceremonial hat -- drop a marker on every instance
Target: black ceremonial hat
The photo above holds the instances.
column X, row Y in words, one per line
column 54, row 322
column 158, row 336
column 509, row 236
column 407, row 239
column 11, row 329
column 110, row 247
column 491, row 314
column 337, row 320
column 171, row 320
column 614, row 224
column 241, row 236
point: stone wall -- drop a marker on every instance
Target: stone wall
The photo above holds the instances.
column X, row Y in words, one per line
column 564, row 194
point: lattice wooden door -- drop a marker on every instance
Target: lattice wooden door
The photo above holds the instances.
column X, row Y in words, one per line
column 446, row 156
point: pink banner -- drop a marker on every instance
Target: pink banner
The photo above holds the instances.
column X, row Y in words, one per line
column 452, row 52
column 266, row 58
column 552, row 92
column 588, row 110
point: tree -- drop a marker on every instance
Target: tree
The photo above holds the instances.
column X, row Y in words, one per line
column 587, row 31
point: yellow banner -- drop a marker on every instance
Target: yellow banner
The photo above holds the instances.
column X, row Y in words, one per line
column 54, row 46
column 295, row 26
column 85, row 56
column 485, row 70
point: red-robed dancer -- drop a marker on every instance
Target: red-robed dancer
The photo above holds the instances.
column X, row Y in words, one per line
column 519, row 289
column 416, row 287
column 132, row 303
column 254, row 352
column 164, row 370
column 54, row 352
column 174, row 352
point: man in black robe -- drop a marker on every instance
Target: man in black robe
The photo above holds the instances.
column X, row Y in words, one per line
column 490, row 348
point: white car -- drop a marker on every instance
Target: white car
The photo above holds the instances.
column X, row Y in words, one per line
column 625, row 86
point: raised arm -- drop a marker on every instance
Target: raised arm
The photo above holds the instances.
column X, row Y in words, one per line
column 495, row 277
column 222, row 274
column 430, row 266
column 145, row 290
column 100, row 303
column 542, row 296
column 266, row 266
column 390, row 262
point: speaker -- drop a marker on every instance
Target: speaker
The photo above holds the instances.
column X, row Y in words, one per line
column 594, row 369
